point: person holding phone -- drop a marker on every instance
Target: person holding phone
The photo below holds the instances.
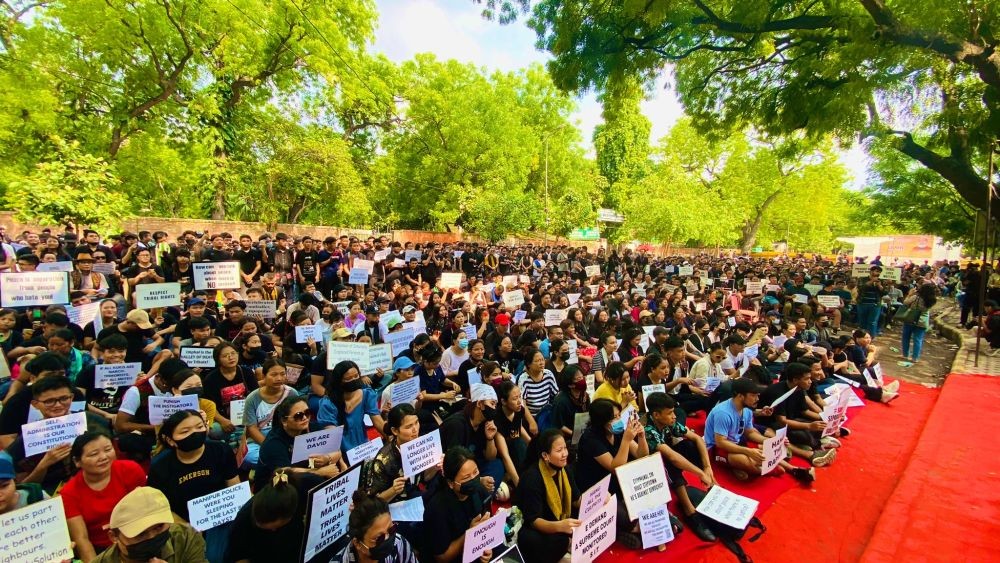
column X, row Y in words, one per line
column 459, row 503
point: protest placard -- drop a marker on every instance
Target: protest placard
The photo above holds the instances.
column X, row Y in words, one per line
column 34, row 415
column 774, row 451
column 420, row 454
column 592, row 537
column 155, row 295
column 328, row 511
column 593, row 499
column 37, row 532
column 198, row 357
column 470, row 332
column 216, row 275
column 337, row 352
column 580, row 421
column 263, row 308
column 400, row 340
column 365, row 451
column 591, row 271
column 304, row 332
column 555, row 316
column 359, row 276
column 892, row 274
column 648, row 390
column 407, row 510
column 379, row 357
column 218, row 508
column 55, row 267
column 519, row 316
column 513, row 298
column 160, row 408
column 405, row 391
column 30, row 289
column 320, row 442
column 484, row 536
column 654, row 525
column 800, row 298
column 727, row 507
column 643, row 484
column 39, row 437
column 574, row 358
column 754, row 288
column 860, row 270
column 813, row 288
column 451, row 280
column 236, row 409
column 381, row 255
column 834, row 412
column 412, row 255
column 686, row 270
column 116, row 375
column 106, row 268
column 876, row 370
column 367, row 265
column 84, row 314
column 830, row 301
column 751, row 352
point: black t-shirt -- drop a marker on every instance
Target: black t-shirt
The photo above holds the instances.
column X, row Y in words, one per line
column 307, row 264
column 136, row 342
column 451, row 517
column 456, row 430
column 248, row 260
column 531, row 495
column 184, row 278
column 108, row 399
column 181, row 482
column 591, row 447
column 247, row 541
column 213, row 255
column 222, row 391
column 15, row 413
column 133, row 271
column 183, row 328
column 509, row 429
column 791, row 408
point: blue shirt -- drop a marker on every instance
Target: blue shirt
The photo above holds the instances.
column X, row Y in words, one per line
column 726, row 421
column 430, row 382
column 354, row 421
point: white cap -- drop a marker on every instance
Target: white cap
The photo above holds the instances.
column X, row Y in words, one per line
column 482, row 392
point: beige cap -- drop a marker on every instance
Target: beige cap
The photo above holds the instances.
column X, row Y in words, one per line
column 139, row 510
column 140, row 318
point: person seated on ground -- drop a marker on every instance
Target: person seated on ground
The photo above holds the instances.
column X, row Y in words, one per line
column 403, row 368
column 514, row 430
column 136, row 436
column 228, row 382
column 607, row 443
column 143, row 342
column 17, row 406
column 682, row 450
column 438, row 390
column 63, row 342
column 547, row 496
column 991, row 325
column 52, row 396
column 805, row 425
column 104, row 401
column 346, row 402
column 617, row 387
column 142, row 528
column 191, row 466
column 571, row 400
column 473, row 428
column 460, row 502
column 291, row 419
column 271, row 526
column 861, row 355
column 101, row 480
column 258, row 411
column 730, row 427
column 14, row 495
column 538, row 386
column 373, row 534
column 187, row 382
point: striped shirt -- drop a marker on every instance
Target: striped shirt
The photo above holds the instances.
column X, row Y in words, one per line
column 538, row 394
column 402, row 554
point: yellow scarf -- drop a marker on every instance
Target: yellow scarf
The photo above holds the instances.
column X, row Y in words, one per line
column 558, row 496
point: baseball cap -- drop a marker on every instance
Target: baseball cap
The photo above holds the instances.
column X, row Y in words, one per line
column 195, row 301
column 645, row 313
column 139, row 510
column 745, row 385
column 371, row 309
column 140, row 318
column 409, row 309
column 502, row 319
column 402, row 362
column 393, row 323
column 6, row 469
column 483, row 392
column 341, row 333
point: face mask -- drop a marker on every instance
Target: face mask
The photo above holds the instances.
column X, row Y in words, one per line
column 463, row 344
column 192, row 391
column 618, row 427
column 489, row 412
column 580, row 385
column 148, row 549
column 564, row 356
column 383, row 549
column 353, row 385
column 191, row 442
column 469, row 487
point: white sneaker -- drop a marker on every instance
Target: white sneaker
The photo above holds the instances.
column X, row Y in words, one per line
column 823, row 459
column 829, row 443
column 891, row 387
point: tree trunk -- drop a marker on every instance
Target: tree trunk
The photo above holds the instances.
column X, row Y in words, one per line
column 295, row 210
column 751, row 228
column 219, row 201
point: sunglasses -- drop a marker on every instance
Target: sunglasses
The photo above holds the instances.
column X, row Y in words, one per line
column 300, row 416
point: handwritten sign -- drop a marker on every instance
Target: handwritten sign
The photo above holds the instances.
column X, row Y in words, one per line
column 686, row 270
column 581, row 419
column 654, row 524
column 218, row 508
column 800, row 298
column 594, row 536
column 774, row 451
column 237, row 407
column 643, row 484
column 39, row 437
column 412, row 255
column 513, row 299
column 480, row 538
column 829, row 301
column 108, row 376
column 834, row 412
column 263, row 308
column 55, row 267
column 728, row 507
column 368, row 265
column 381, row 254
column 407, row 510
column 155, row 295
column 30, row 289
column 405, row 391
column 751, row 352
column 365, row 451
column 860, row 270
column 754, row 288
column 320, row 442
column 304, row 332
column 359, row 276
column 648, row 390
column 198, row 357
column 82, row 315
column 593, row 270
column 555, row 316
column 37, row 532
column 400, row 340
column 574, row 358
column 594, row 498
column 813, row 288
column 328, row 512
column 892, row 274
column 519, row 316
column 451, row 280
column 421, row 454
column 160, row 408
column 216, row 275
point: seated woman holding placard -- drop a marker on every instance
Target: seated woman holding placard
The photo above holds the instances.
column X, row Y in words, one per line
column 270, row 527
column 101, row 480
column 258, row 411
column 346, row 403
column 459, row 503
column 571, row 400
column 291, row 419
column 547, row 496
column 373, row 534
column 191, row 466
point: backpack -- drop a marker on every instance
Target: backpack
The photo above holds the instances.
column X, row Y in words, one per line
column 728, row 535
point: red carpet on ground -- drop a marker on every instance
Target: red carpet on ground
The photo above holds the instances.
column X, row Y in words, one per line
column 946, row 506
column 832, row 520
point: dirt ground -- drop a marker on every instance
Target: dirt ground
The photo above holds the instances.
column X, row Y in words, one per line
column 935, row 360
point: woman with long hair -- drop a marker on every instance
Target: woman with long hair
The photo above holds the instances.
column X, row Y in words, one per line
column 919, row 301
column 346, row 403
column 547, row 495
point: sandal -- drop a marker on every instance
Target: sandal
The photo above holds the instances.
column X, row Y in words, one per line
column 676, row 525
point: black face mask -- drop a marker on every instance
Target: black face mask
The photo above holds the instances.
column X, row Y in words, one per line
column 489, row 412
column 148, row 549
column 192, row 391
column 350, row 386
column 382, row 550
column 192, row 441
column 469, row 487
column 564, row 356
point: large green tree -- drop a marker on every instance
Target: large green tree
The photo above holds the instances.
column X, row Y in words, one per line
column 922, row 75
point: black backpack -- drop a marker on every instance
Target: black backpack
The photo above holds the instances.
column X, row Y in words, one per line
column 728, row 535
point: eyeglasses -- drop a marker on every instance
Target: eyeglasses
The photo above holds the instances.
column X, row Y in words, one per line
column 301, row 415
column 382, row 537
column 57, row 400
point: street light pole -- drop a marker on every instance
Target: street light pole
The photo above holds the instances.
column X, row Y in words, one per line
column 986, row 245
